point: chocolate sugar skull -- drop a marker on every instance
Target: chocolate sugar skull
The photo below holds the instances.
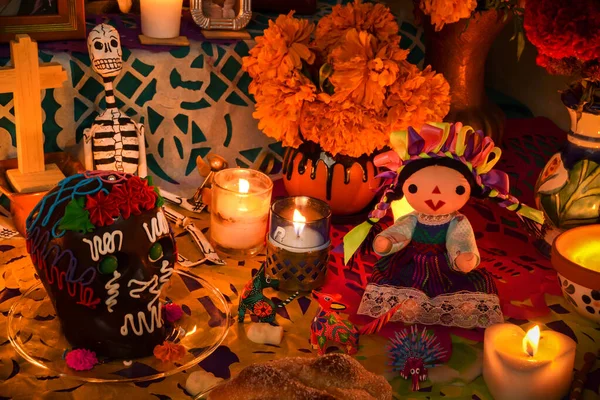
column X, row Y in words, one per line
column 104, row 46
column 103, row 249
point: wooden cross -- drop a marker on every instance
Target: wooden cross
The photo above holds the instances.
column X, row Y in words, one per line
column 25, row 79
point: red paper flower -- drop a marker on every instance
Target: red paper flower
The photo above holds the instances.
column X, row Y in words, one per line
column 102, row 208
column 169, row 351
column 172, row 312
column 262, row 309
column 81, row 359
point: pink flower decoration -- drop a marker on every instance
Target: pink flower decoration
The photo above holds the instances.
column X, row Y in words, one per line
column 173, row 312
column 81, row 359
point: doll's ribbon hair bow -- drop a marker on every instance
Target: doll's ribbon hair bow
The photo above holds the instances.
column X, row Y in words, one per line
column 437, row 140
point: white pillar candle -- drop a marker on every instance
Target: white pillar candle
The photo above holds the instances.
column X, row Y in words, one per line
column 240, row 210
column 161, row 19
column 517, row 368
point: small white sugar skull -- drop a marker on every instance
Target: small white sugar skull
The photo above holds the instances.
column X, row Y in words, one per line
column 104, row 46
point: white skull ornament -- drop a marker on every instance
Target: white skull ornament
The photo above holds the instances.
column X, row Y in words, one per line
column 104, row 46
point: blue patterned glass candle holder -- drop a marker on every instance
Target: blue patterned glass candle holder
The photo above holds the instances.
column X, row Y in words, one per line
column 298, row 244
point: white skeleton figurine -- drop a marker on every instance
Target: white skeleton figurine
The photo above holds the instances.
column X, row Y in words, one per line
column 114, row 142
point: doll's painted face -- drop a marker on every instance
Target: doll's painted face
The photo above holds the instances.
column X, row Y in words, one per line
column 436, row 190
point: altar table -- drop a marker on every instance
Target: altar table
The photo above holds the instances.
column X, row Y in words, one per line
column 526, row 282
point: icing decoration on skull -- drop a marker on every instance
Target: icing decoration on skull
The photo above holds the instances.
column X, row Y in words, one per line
column 104, row 46
column 103, row 249
column 412, row 352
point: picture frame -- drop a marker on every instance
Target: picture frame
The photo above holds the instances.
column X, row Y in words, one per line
column 67, row 23
column 201, row 13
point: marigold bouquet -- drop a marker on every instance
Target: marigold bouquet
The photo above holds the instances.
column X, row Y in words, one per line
column 344, row 85
column 566, row 34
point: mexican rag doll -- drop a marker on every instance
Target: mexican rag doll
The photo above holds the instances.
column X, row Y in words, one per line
column 429, row 258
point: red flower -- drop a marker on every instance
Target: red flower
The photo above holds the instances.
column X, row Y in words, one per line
column 141, row 193
column 563, row 29
column 102, row 208
column 134, row 196
column 81, row 359
column 172, row 312
column 262, row 309
column 125, row 200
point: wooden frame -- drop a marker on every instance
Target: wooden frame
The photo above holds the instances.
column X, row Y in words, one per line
column 69, row 23
column 243, row 9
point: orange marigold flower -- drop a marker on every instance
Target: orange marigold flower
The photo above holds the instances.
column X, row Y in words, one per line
column 444, row 12
column 417, row 97
column 343, row 128
column 278, row 106
column 363, row 68
column 281, row 49
column 373, row 18
column 169, row 351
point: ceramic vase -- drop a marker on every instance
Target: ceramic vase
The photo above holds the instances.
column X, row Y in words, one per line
column 568, row 189
column 459, row 51
column 347, row 184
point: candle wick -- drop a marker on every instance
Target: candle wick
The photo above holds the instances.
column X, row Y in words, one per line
column 530, row 349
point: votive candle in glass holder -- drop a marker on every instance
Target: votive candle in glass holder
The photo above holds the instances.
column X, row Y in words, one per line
column 298, row 243
column 161, row 19
column 239, row 211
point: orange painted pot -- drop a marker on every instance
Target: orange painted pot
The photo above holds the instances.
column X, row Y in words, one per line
column 347, row 184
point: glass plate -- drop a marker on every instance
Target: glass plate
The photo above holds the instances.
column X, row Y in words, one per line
column 34, row 331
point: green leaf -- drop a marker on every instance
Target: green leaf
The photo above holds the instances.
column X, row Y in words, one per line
column 331, row 320
column 159, row 199
column 76, row 217
column 343, row 337
column 321, row 340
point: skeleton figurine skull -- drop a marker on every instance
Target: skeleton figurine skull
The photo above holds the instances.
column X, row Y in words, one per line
column 114, row 142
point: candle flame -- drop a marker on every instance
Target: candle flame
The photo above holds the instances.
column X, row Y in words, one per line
column 244, row 186
column 299, row 221
column 531, row 341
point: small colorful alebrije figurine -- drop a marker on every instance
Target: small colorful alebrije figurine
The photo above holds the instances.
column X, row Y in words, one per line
column 328, row 325
column 429, row 257
column 412, row 352
column 114, row 142
column 255, row 302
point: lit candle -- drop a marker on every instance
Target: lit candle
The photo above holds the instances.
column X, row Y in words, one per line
column 298, row 245
column 239, row 211
column 161, row 19
column 298, row 237
column 527, row 366
column 576, row 259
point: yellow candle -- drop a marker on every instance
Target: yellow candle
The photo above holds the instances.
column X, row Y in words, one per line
column 532, row 366
column 161, row 19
